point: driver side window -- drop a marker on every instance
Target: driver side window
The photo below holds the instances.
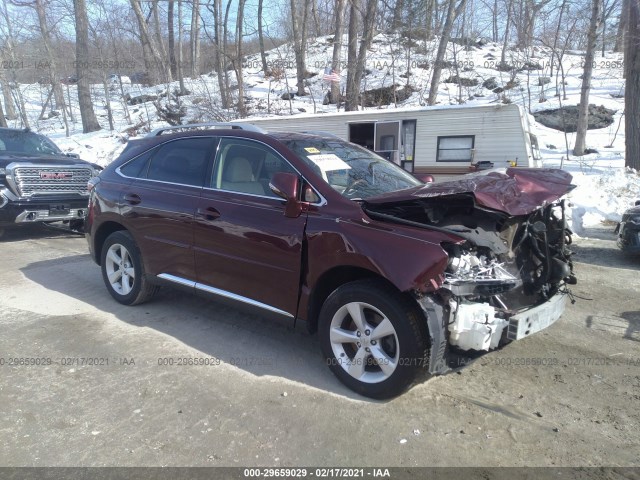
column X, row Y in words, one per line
column 245, row 166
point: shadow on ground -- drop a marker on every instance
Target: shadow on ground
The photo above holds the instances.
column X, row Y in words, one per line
column 249, row 342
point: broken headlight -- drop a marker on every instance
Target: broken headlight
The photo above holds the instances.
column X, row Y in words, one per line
column 470, row 274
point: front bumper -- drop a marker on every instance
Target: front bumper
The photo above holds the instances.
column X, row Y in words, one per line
column 516, row 327
column 41, row 210
column 538, row 318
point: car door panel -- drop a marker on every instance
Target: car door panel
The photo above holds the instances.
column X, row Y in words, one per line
column 243, row 242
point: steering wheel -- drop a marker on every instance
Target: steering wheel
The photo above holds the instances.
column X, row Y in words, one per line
column 351, row 188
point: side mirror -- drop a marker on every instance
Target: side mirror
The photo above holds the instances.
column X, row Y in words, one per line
column 424, row 177
column 287, row 186
column 72, row 155
column 637, row 203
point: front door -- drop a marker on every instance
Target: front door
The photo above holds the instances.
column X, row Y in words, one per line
column 245, row 248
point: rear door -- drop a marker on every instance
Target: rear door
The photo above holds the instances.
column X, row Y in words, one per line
column 161, row 203
column 245, row 248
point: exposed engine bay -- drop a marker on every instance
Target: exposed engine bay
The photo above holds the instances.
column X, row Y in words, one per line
column 507, row 279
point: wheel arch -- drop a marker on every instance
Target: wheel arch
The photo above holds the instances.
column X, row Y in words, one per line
column 332, row 279
column 101, row 234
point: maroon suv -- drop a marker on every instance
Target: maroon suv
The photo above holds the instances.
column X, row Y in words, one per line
column 391, row 273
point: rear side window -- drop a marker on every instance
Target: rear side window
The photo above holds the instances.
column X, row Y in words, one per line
column 137, row 168
column 182, row 161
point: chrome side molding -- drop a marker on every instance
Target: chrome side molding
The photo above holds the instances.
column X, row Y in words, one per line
column 223, row 293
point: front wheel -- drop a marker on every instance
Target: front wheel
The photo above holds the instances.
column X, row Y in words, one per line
column 122, row 270
column 374, row 340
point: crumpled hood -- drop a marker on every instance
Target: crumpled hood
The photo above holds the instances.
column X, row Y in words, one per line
column 517, row 191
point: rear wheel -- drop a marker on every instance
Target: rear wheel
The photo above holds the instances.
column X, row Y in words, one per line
column 374, row 340
column 122, row 270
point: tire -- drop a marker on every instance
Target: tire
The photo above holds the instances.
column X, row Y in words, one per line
column 122, row 270
column 374, row 340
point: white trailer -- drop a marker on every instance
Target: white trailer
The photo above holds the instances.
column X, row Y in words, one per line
column 436, row 140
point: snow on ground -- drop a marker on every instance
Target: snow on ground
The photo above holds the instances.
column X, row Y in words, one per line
column 604, row 188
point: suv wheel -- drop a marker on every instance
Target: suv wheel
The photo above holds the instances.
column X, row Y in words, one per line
column 374, row 340
column 122, row 270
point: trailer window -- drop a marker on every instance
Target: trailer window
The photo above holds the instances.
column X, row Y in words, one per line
column 455, row 149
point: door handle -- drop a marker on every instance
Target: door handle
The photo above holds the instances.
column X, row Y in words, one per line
column 132, row 198
column 208, row 213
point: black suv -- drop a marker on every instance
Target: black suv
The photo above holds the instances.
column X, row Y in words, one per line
column 40, row 183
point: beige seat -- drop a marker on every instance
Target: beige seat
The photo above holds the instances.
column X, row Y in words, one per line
column 238, row 177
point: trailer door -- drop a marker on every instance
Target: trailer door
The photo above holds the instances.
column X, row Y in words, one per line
column 387, row 140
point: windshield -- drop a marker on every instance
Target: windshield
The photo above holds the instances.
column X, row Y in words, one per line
column 354, row 171
column 16, row 141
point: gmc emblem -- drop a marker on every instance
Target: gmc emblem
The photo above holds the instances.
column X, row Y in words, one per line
column 56, row 175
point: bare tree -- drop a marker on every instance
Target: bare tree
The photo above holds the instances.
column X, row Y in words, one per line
column 453, row 11
column 622, row 27
column 583, row 107
column 263, row 56
column 299, row 29
column 194, row 42
column 337, row 47
column 171, row 38
column 89, row 120
column 180, row 67
column 3, row 120
column 10, row 49
column 242, row 109
column 527, row 17
column 356, row 62
column 148, row 45
column 632, row 92
column 51, row 58
column 157, row 30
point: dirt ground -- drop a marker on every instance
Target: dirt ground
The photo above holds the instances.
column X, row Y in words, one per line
column 97, row 395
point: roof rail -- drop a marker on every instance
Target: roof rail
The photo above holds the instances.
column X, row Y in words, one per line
column 249, row 127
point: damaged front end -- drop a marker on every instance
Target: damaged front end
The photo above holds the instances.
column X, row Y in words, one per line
column 507, row 278
column 496, row 295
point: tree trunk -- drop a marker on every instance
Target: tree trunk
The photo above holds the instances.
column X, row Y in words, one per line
column 10, row 113
column 194, row 42
column 337, row 48
column 46, row 42
column 298, row 30
column 452, row 14
column 368, row 30
column 622, row 28
column 219, row 57
column 242, row 109
column 351, row 94
column 161, row 66
column 263, row 57
column 632, row 91
column 429, row 15
column 89, row 120
column 3, row 120
column 171, row 40
column 505, row 41
column 583, row 107
column 396, row 21
column 160, row 42
column 180, row 70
